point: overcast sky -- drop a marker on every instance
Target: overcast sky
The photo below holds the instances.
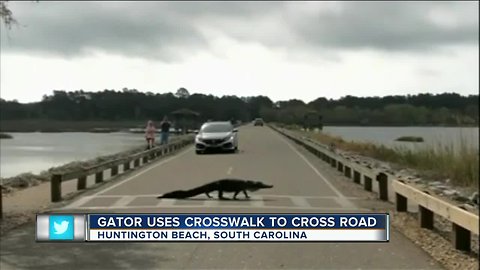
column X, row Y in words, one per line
column 283, row 50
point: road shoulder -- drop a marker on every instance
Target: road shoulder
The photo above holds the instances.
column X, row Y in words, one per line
column 430, row 242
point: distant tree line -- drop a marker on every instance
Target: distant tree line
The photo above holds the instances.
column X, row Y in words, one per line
column 129, row 104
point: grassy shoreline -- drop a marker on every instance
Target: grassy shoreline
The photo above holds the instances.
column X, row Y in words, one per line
column 437, row 162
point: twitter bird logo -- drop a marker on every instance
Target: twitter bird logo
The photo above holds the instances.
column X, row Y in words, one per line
column 61, row 228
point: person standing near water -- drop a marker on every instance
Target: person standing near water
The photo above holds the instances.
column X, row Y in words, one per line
column 150, row 134
column 165, row 130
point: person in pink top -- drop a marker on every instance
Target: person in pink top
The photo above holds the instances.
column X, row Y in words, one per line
column 150, row 134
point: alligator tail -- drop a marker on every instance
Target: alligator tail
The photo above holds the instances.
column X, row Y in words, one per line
column 182, row 194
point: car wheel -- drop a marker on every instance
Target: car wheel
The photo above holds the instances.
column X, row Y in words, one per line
column 198, row 152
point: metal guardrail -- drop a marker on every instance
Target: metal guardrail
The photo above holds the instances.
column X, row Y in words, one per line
column 464, row 223
column 1, row 204
column 113, row 165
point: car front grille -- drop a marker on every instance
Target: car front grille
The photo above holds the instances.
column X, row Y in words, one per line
column 213, row 141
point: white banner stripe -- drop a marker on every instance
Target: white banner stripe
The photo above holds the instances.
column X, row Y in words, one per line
column 317, row 235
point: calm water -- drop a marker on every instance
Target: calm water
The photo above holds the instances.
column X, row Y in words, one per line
column 36, row 152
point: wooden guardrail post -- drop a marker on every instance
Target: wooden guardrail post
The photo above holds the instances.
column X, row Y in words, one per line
column 136, row 163
column 348, row 172
column 82, row 182
column 1, row 204
column 426, row 217
column 461, row 238
column 99, row 177
column 56, row 187
column 356, row 177
column 114, row 170
column 333, row 163
column 340, row 166
column 367, row 183
column 464, row 223
column 401, row 202
column 382, row 179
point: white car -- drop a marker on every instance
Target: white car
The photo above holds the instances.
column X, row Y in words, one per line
column 222, row 136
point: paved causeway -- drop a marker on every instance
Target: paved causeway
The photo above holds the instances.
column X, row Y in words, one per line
column 302, row 184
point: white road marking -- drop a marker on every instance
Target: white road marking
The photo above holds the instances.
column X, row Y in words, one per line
column 229, row 171
column 257, row 201
column 142, row 172
column 211, row 203
column 214, row 195
column 78, row 202
column 244, row 206
column 123, row 201
column 302, row 202
column 166, row 203
column 342, row 199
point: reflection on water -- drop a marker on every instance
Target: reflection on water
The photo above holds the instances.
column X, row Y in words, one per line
column 35, row 152
column 34, row 148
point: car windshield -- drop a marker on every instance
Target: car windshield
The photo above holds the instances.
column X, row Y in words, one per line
column 215, row 128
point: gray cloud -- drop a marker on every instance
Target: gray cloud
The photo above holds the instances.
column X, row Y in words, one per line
column 392, row 26
column 167, row 30
column 72, row 28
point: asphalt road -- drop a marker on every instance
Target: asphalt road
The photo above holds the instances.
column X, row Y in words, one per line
column 302, row 183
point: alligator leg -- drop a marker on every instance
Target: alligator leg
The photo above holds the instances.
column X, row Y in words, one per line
column 246, row 195
column 220, row 195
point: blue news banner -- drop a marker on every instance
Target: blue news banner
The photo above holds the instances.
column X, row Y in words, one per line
column 214, row 227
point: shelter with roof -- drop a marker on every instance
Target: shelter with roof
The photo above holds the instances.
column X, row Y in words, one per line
column 185, row 119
